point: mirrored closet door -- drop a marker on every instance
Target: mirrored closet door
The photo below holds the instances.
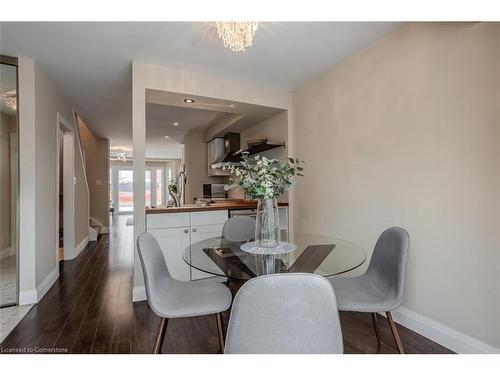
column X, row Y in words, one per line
column 9, row 177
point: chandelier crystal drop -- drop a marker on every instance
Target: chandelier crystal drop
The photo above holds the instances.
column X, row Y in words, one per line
column 10, row 99
column 237, row 35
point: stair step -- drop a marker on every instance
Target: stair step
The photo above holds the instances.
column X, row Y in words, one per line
column 97, row 228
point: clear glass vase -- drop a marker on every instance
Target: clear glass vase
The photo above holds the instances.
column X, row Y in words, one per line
column 267, row 232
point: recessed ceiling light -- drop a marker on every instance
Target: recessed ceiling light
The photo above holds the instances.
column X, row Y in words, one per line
column 188, row 100
column 166, row 137
column 175, row 124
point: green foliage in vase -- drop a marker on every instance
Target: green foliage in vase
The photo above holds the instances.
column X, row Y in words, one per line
column 263, row 178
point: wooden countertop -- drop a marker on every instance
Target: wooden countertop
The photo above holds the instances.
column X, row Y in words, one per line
column 216, row 206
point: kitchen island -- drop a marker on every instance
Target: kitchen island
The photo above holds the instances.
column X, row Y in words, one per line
column 175, row 228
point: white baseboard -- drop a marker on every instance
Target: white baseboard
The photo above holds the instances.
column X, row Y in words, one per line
column 4, row 253
column 104, row 230
column 27, row 297
column 139, row 293
column 81, row 246
column 45, row 285
column 443, row 335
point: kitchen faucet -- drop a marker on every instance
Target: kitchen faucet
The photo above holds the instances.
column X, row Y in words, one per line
column 180, row 196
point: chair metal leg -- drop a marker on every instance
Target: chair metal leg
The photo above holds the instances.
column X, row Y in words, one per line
column 395, row 333
column 160, row 336
column 377, row 332
column 220, row 332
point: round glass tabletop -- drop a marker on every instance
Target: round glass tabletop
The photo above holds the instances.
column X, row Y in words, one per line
column 322, row 255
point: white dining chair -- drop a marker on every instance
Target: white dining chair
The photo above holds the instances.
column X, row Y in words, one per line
column 381, row 288
column 285, row 313
column 170, row 298
column 239, row 229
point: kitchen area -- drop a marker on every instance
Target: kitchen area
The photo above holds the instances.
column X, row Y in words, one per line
column 211, row 132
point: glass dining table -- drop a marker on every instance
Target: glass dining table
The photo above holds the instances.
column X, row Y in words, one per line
column 322, row 255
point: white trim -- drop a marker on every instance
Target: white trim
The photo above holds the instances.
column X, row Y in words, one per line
column 27, row 297
column 443, row 335
column 96, row 222
column 81, row 246
column 45, row 285
column 139, row 293
column 104, row 230
column 92, row 234
column 27, row 181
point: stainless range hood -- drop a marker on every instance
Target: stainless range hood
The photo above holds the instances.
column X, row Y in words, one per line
column 221, row 151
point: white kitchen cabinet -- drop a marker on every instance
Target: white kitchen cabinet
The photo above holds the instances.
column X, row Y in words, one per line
column 205, row 225
column 172, row 242
column 173, row 220
column 208, row 217
column 200, row 233
column 176, row 231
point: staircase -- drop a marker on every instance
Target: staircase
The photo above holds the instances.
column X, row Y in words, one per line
column 94, row 229
column 94, row 226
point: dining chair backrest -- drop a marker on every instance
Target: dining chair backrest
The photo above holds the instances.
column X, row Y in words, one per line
column 285, row 313
column 239, row 228
column 388, row 264
column 154, row 268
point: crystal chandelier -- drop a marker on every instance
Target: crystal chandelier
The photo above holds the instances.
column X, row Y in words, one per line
column 118, row 156
column 237, row 35
column 10, row 99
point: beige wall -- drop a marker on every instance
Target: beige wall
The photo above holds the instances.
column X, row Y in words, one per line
column 195, row 158
column 38, row 186
column 407, row 133
column 275, row 129
column 48, row 102
column 97, row 168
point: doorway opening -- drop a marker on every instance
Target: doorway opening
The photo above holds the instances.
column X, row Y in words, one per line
column 158, row 174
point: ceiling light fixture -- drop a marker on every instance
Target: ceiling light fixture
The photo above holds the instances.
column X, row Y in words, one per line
column 166, row 137
column 188, row 100
column 237, row 35
column 10, row 99
column 175, row 123
column 118, row 156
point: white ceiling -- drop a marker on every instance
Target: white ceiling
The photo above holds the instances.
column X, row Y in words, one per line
column 159, row 119
column 91, row 62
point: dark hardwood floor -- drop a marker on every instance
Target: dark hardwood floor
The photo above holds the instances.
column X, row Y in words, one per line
column 89, row 310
